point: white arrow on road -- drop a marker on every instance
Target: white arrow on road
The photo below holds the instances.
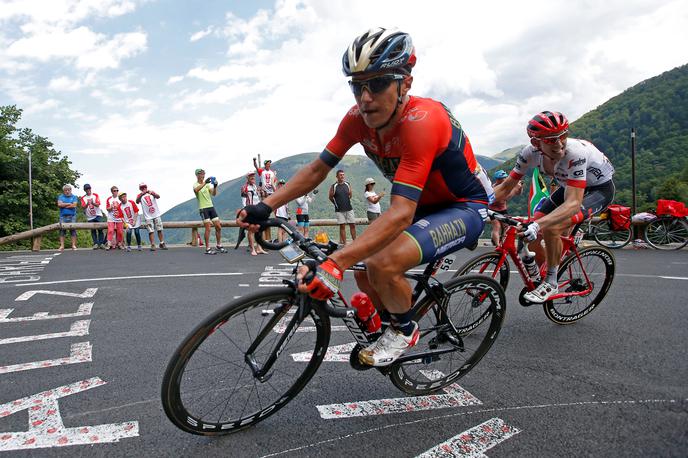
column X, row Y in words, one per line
column 335, row 353
column 473, row 442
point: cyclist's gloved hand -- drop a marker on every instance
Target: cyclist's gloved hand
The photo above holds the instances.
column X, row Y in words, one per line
column 255, row 214
column 326, row 281
column 531, row 231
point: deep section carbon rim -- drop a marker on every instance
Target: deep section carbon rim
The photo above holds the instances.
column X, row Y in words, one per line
column 459, row 338
column 210, row 387
column 591, row 277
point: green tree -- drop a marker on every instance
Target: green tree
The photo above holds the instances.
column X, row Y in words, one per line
column 50, row 171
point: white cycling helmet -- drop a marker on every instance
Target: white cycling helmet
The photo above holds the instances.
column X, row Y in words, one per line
column 379, row 50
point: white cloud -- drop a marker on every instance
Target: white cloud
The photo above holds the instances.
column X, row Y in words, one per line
column 201, row 34
column 64, row 83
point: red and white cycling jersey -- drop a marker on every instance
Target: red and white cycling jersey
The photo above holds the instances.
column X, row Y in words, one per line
column 114, row 215
column 149, row 206
column 582, row 166
column 131, row 214
column 268, row 179
column 91, row 206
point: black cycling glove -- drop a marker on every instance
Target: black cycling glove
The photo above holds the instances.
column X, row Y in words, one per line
column 256, row 214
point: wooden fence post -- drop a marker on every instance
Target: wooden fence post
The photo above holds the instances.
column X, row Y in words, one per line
column 36, row 243
column 194, row 236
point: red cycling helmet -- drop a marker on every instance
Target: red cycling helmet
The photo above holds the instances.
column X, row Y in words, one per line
column 547, row 123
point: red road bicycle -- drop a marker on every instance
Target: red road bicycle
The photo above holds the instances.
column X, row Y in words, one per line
column 584, row 275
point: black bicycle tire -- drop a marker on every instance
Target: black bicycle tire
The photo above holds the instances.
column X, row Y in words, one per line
column 662, row 219
column 470, row 265
column 559, row 317
column 170, row 390
column 605, row 225
column 496, row 315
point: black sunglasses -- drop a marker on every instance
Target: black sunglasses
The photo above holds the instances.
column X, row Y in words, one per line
column 374, row 85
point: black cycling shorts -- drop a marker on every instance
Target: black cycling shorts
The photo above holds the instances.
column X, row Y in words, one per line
column 208, row 214
column 595, row 200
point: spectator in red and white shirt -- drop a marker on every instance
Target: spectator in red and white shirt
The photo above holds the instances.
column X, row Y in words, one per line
column 250, row 196
column 90, row 202
column 115, row 220
column 151, row 213
column 132, row 219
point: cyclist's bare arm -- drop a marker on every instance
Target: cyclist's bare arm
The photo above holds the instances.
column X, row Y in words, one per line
column 383, row 231
column 573, row 198
column 504, row 190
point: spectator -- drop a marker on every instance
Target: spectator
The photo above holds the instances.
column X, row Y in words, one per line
column 302, row 219
column 67, row 203
column 340, row 195
column 132, row 219
column 268, row 183
column 250, row 196
column 203, row 189
column 151, row 212
column 90, row 202
column 501, row 206
column 372, row 199
column 283, row 214
column 115, row 220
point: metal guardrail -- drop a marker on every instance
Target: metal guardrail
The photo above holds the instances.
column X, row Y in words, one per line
column 37, row 234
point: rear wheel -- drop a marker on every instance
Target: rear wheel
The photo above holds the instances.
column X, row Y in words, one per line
column 667, row 233
column 454, row 336
column 213, row 385
column 589, row 278
column 610, row 238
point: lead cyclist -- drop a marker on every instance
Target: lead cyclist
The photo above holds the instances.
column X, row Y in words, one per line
column 439, row 191
column 586, row 188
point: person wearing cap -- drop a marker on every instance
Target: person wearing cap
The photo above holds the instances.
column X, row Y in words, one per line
column 500, row 206
column 148, row 200
column 302, row 218
column 250, row 196
column 373, row 200
column 203, row 190
column 90, row 202
column 67, row 203
column 132, row 219
column 268, row 177
column 115, row 219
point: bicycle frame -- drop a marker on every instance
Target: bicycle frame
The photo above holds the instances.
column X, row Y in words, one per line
column 507, row 247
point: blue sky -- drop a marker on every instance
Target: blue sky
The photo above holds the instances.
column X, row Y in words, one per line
column 145, row 90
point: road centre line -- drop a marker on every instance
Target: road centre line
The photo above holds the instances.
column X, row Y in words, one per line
column 378, row 429
column 135, row 277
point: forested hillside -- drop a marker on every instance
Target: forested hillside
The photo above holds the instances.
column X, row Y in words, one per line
column 658, row 109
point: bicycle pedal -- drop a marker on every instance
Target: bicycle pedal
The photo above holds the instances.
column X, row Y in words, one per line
column 355, row 363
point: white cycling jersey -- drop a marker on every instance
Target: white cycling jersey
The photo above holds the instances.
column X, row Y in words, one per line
column 582, row 166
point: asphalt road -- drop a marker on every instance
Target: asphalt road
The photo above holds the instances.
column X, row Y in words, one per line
column 613, row 384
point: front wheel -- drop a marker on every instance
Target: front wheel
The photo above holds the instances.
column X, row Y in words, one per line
column 587, row 275
column 667, row 233
column 610, row 238
column 454, row 335
column 486, row 264
column 244, row 362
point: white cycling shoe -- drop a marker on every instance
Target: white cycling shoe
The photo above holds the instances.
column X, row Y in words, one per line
column 389, row 347
column 542, row 293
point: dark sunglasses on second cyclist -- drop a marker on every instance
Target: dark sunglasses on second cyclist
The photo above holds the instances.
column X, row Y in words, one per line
column 555, row 138
column 374, row 85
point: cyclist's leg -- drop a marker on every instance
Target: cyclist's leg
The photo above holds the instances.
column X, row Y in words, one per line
column 430, row 237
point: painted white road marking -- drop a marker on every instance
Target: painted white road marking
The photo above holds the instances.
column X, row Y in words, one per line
column 46, row 428
column 79, row 353
column 84, row 310
column 456, row 397
column 77, row 329
column 136, row 277
column 674, row 278
column 473, row 442
column 282, row 325
column 335, row 353
column 89, row 292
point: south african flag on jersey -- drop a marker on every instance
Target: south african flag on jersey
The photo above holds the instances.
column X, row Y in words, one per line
column 538, row 190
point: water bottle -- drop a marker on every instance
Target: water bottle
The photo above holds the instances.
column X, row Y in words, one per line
column 365, row 310
column 531, row 266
